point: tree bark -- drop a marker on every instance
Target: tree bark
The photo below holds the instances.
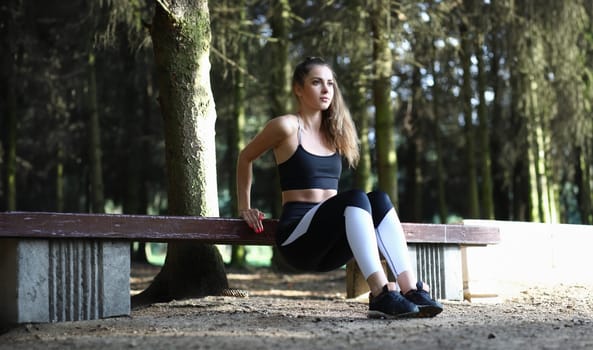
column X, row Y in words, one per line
column 281, row 72
column 499, row 117
column 11, row 122
column 11, row 154
column 97, row 200
column 358, row 98
column 535, row 199
column 583, row 180
column 10, row 71
column 384, row 118
column 440, row 167
column 484, row 127
column 472, row 181
column 587, row 152
column 280, row 93
column 238, row 252
column 134, row 157
column 181, row 37
column 418, row 148
column 60, row 199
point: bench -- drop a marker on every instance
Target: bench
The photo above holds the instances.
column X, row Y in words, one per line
column 64, row 266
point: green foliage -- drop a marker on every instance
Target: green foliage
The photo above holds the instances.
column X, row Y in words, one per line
column 530, row 49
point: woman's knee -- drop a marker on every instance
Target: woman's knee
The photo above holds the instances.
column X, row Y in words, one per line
column 357, row 198
column 380, row 204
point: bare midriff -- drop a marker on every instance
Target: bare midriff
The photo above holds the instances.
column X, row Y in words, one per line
column 309, row 195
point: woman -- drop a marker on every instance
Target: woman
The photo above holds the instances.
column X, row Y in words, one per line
column 321, row 229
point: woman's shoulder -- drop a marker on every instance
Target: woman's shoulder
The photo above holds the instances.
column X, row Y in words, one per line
column 285, row 120
column 287, row 124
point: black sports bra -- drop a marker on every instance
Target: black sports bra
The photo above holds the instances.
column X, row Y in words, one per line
column 305, row 170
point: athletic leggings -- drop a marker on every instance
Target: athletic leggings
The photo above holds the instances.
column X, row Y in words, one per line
column 324, row 236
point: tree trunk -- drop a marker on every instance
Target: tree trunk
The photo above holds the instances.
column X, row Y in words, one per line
column 414, row 145
column 518, row 171
column 237, row 142
column 10, row 62
column 484, row 127
column 181, row 38
column 534, row 193
column 582, row 176
column 362, row 177
column 135, row 157
column 585, row 186
column 146, row 85
column 281, row 73
column 543, row 196
column 280, row 94
column 11, row 170
column 358, row 98
column 440, row 167
column 2, row 184
column 500, row 188
column 60, row 178
column 587, row 153
column 472, row 181
column 418, row 146
column 97, row 200
column 384, row 119
column 520, row 168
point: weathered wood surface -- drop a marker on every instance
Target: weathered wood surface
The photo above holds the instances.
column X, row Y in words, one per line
column 214, row 230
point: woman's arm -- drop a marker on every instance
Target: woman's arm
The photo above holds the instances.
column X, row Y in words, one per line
column 271, row 136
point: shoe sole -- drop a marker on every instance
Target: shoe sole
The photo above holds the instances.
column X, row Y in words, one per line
column 378, row 314
column 429, row 311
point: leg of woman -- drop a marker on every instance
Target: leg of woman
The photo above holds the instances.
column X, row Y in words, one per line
column 391, row 240
column 384, row 301
column 393, row 246
column 331, row 233
column 363, row 242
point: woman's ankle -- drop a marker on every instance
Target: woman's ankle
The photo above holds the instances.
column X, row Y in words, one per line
column 389, row 286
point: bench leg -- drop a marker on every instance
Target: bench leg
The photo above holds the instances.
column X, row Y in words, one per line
column 63, row 280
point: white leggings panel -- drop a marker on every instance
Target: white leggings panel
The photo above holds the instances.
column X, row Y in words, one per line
column 392, row 243
column 363, row 242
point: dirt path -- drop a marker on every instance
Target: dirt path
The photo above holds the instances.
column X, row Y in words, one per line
column 310, row 312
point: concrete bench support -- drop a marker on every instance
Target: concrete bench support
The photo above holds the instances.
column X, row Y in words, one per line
column 63, row 280
column 439, row 265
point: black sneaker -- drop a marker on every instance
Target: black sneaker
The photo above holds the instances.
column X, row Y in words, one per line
column 428, row 306
column 391, row 304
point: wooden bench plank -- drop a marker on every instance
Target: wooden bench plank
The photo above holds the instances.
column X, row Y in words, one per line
column 213, row 230
column 133, row 228
column 451, row 234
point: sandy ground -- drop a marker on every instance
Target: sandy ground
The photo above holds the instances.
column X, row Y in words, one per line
column 309, row 311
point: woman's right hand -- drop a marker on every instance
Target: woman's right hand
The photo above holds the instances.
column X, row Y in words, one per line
column 254, row 218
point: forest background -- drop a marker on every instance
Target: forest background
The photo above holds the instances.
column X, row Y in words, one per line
column 465, row 108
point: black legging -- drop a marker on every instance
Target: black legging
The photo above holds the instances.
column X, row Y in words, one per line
column 324, row 246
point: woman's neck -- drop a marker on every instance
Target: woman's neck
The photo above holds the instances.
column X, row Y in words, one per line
column 310, row 121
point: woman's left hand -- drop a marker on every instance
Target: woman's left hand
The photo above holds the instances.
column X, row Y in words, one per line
column 254, row 218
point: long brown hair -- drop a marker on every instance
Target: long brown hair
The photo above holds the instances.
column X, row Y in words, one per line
column 336, row 121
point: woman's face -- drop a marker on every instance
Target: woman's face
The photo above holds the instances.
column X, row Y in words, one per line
column 317, row 91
